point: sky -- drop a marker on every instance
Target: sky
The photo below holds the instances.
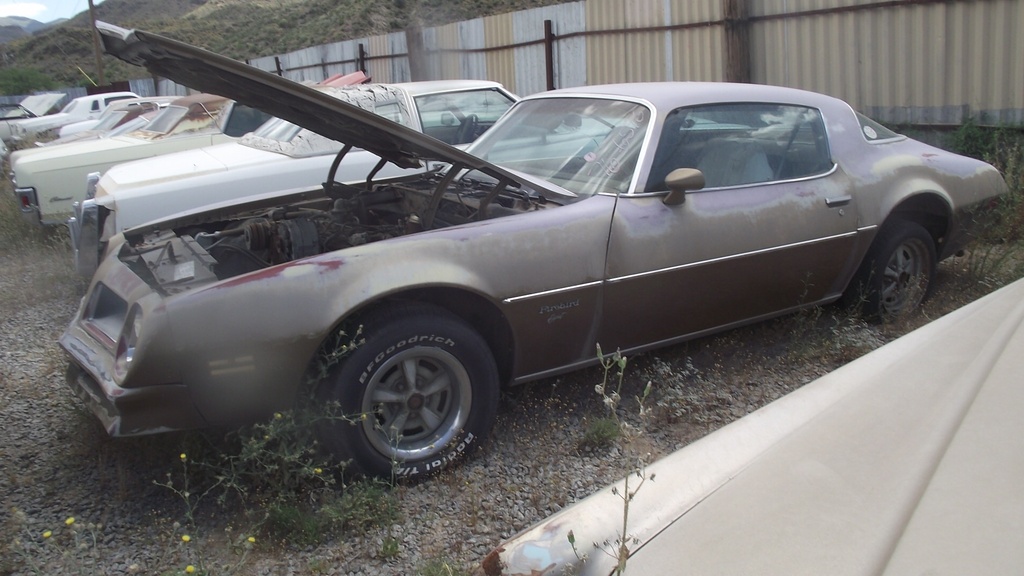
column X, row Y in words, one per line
column 44, row 10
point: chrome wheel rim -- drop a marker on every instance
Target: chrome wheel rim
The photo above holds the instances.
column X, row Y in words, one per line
column 416, row 403
column 905, row 278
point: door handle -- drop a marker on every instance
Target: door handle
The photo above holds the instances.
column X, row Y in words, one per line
column 838, row 201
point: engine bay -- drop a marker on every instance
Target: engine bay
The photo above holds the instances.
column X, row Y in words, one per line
column 343, row 216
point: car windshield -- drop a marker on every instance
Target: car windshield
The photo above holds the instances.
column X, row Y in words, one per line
column 132, row 125
column 167, row 119
column 281, row 136
column 13, row 111
column 585, row 145
column 72, row 106
column 110, row 120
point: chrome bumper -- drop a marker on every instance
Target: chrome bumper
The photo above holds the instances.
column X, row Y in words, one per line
column 84, row 228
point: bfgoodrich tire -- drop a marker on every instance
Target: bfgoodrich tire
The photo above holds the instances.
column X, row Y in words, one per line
column 424, row 388
column 897, row 273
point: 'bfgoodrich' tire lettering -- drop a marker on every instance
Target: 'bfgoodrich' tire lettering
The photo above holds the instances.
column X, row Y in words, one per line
column 425, row 386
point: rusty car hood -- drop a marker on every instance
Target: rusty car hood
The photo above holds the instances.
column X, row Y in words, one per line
column 302, row 105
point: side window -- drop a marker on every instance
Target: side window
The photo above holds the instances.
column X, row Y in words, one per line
column 461, row 117
column 95, row 106
column 741, row 144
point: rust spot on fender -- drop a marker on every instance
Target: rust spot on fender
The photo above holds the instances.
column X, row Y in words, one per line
column 280, row 270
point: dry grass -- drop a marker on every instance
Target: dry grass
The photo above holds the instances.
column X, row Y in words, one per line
column 35, row 262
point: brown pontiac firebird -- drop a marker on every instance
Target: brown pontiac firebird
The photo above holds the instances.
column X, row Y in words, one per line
column 630, row 216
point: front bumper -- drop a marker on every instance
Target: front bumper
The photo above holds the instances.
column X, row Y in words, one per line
column 84, row 229
column 124, row 411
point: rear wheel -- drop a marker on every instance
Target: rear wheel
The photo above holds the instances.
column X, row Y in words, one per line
column 425, row 389
column 897, row 272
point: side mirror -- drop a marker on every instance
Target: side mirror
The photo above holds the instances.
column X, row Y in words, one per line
column 447, row 118
column 679, row 182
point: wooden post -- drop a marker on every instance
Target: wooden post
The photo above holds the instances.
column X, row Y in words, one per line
column 737, row 40
column 418, row 67
column 361, row 60
column 96, row 45
column 549, row 54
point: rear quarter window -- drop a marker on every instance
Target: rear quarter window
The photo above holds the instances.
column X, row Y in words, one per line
column 873, row 131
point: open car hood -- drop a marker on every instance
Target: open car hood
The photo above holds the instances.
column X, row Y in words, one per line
column 40, row 104
column 302, row 105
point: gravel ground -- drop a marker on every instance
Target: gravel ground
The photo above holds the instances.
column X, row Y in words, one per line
column 57, row 463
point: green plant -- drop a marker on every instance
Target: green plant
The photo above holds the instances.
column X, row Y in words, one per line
column 441, row 567
column 391, row 547
column 611, row 398
column 600, row 433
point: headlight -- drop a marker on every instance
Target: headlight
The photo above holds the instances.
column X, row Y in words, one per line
column 127, row 341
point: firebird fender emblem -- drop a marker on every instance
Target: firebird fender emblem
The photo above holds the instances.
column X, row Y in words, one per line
column 560, row 307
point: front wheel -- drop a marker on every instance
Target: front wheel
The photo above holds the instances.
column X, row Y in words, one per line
column 897, row 272
column 423, row 387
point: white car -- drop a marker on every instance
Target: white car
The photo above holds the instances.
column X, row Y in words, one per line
column 33, row 106
column 81, row 108
column 113, row 115
column 49, row 180
column 120, row 122
column 277, row 156
column 905, row 461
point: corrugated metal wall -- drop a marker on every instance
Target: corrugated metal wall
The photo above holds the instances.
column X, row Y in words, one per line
column 909, row 61
column 928, row 62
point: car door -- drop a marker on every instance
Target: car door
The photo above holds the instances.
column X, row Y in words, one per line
column 772, row 230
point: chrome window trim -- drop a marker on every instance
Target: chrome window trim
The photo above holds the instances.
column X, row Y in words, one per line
column 825, row 174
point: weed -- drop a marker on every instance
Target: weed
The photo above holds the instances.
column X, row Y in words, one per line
column 600, row 433
column 36, row 261
column 391, row 547
column 619, row 549
column 441, row 567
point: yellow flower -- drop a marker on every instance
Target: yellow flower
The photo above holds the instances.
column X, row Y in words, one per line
column 190, row 569
column 182, row 456
column 185, row 538
column 317, row 471
column 69, row 521
column 252, row 540
column 47, row 534
column 277, row 416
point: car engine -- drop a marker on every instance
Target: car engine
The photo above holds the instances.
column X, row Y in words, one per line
column 177, row 259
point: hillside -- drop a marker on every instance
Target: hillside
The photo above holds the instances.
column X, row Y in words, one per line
column 238, row 28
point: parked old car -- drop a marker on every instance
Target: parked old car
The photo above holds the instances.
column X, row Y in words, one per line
column 48, row 180
column 78, row 109
column 276, row 156
column 115, row 114
column 584, row 216
column 30, row 107
column 904, row 461
column 120, row 119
